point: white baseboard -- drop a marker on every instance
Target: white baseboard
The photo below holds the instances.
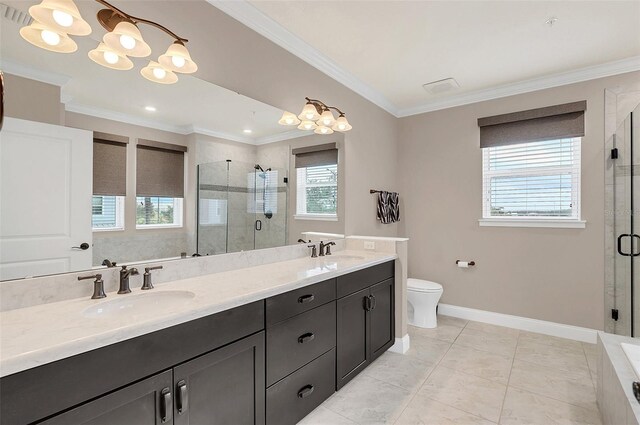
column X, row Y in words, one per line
column 401, row 345
column 523, row 323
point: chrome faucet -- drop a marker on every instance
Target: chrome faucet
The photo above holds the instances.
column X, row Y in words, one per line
column 314, row 252
column 124, row 279
column 98, row 286
column 328, row 248
column 146, row 277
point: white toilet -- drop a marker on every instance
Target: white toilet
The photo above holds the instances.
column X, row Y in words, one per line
column 423, row 297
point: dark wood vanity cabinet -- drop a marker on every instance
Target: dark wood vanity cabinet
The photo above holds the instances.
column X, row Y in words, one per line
column 271, row 361
column 365, row 320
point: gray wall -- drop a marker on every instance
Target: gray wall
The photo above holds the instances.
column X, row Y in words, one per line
column 32, row 100
column 541, row 273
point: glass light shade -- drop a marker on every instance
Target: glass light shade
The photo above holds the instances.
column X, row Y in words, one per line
column 156, row 73
column 323, row 130
column 61, row 16
column 178, row 59
column 342, row 124
column 326, row 119
column 289, row 118
column 127, row 39
column 309, row 113
column 106, row 56
column 49, row 39
column 307, row 125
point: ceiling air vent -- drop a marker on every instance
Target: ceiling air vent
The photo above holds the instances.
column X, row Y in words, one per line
column 441, row 86
column 14, row 15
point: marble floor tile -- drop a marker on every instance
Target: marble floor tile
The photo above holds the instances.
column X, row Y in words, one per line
column 554, row 341
column 425, row 411
column 323, row 416
column 366, row 400
column 486, row 327
column 488, row 341
column 551, row 356
column 442, row 332
column 400, row 370
column 451, row 321
column 495, row 367
column 570, row 387
column 428, row 349
column 522, row 407
column 471, row 394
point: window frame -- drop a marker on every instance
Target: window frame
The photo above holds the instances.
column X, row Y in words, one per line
column 302, row 201
column 574, row 169
column 120, row 214
column 178, row 208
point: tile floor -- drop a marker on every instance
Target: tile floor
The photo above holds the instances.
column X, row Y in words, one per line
column 471, row 373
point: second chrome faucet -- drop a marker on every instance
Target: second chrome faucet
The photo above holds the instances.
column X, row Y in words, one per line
column 125, row 274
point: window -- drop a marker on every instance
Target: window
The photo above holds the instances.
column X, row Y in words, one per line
column 107, row 213
column 156, row 211
column 317, row 191
column 534, row 181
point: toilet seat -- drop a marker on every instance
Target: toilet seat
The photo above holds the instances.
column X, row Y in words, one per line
column 420, row 285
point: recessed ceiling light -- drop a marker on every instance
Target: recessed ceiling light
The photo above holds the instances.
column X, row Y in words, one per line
column 247, row 131
column 150, row 108
column 551, row 21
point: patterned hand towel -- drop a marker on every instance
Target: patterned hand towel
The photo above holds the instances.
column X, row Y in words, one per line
column 388, row 207
column 394, row 206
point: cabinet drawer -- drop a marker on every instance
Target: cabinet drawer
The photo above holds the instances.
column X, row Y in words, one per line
column 294, row 397
column 295, row 342
column 353, row 282
column 284, row 306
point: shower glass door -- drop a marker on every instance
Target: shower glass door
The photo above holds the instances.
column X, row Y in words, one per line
column 624, row 291
column 270, row 203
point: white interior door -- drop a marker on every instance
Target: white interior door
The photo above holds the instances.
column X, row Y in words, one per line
column 46, row 174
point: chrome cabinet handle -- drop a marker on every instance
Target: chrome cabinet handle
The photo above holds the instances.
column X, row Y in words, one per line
column 166, row 406
column 306, row 299
column 305, row 391
column 309, row 336
column 182, row 398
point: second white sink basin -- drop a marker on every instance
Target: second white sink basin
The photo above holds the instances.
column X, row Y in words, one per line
column 138, row 303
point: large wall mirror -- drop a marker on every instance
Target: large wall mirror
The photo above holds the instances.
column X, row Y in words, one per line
column 101, row 166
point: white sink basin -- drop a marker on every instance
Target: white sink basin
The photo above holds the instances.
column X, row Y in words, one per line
column 344, row 257
column 138, row 303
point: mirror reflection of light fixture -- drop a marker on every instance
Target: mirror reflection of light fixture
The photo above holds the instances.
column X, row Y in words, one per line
column 158, row 74
column 317, row 116
column 46, row 38
column 61, row 16
column 289, row 118
column 106, row 56
column 178, row 59
column 55, row 20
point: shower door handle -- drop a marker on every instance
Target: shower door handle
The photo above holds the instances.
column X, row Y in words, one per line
column 258, row 225
column 628, row 254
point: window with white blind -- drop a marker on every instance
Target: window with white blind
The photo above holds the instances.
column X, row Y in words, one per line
column 535, row 182
column 317, row 192
column 158, row 211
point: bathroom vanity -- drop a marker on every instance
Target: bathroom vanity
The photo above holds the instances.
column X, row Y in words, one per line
column 264, row 353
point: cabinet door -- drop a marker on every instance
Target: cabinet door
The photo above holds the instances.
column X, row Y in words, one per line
column 223, row 387
column 381, row 317
column 352, row 336
column 148, row 402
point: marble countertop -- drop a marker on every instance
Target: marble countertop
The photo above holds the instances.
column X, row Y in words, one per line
column 41, row 334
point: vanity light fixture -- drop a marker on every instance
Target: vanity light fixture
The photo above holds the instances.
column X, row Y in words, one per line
column 317, row 116
column 55, row 20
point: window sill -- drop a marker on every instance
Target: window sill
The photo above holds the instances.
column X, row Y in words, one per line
column 156, row 227
column 114, row 229
column 528, row 222
column 318, row 217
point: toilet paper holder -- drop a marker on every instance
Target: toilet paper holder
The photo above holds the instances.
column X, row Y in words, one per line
column 471, row 263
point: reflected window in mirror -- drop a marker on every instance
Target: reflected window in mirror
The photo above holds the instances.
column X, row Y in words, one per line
column 156, row 211
column 317, row 191
column 107, row 213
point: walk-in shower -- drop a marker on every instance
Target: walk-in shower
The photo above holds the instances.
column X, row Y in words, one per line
column 241, row 207
column 622, row 218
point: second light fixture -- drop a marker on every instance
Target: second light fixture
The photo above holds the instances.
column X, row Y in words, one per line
column 317, row 116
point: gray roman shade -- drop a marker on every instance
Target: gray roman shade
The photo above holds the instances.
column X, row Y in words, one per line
column 109, row 164
column 160, row 169
column 312, row 156
column 534, row 125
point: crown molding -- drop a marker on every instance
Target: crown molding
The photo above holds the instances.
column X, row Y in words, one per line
column 220, row 134
column 250, row 16
column 548, row 81
column 279, row 137
column 15, row 68
column 125, row 118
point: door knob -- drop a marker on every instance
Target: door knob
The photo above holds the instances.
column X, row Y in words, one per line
column 83, row 246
